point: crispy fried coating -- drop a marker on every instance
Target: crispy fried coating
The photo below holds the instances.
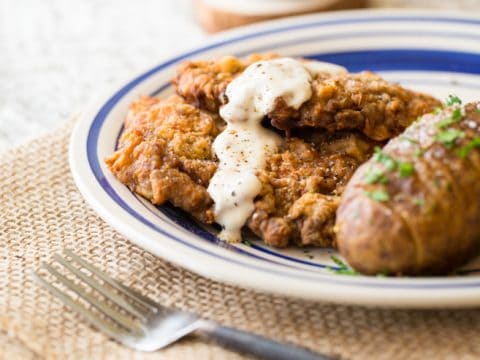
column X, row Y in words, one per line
column 302, row 185
column 363, row 101
column 165, row 154
column 203, row 83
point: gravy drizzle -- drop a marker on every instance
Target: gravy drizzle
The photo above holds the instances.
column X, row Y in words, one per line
column 243, row 147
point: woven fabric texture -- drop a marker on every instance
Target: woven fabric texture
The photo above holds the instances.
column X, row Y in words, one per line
column 41, row 212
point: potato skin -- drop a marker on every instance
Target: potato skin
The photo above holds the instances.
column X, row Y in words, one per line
column 430, row 223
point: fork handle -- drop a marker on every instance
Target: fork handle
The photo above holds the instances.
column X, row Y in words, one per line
column 256, row 345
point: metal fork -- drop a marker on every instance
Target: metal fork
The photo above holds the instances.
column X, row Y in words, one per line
column 140, row 323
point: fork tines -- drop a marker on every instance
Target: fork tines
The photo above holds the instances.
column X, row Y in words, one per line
column 126, row 309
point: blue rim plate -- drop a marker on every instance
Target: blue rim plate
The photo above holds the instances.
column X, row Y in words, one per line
column 436, row 52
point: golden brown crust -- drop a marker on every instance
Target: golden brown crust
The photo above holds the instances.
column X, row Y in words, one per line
column 363, row 101
column 165, row 154
column 429, row 224
column 203, row 83
column 314, row 167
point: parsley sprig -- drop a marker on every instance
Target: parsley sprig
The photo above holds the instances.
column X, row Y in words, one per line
column 419, row 201
column 408, row 139
column 449, row 136
column 378, row 176
column 419, row 152
column 464, row 151
column 378, row 195
column 343, row 269
column 375, row 176
column 454, row 118
column 405, row 169
column 385, row 159
column 247, row 242
column 453, row 99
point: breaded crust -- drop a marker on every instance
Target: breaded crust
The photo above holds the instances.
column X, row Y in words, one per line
column 302, row 185
column 364, row 102
column 165, row 154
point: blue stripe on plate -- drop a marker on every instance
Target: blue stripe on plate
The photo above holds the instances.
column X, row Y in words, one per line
column 187, row 222
column 305, row 40
column 404, row 59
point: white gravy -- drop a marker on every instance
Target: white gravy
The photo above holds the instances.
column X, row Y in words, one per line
column 323, row 67
column 244, row 145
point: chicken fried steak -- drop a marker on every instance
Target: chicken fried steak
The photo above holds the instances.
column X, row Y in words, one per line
column 203, row 83
column 165, row 155
column 363, row 101
column 170, row 149
column 302, row 185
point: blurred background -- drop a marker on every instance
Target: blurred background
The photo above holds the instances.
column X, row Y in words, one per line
column 58, row 55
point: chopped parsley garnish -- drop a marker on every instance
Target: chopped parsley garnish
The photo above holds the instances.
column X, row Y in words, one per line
column 405, row 169
column 378, row 195
column 445, row 122
column 464, row 151
column 337, row 261
column 246, row 242
column 454, row 118
column 375, row 176
column 453, row 99
column 389, row 162
column 419, row 201
column 343, row 269
column 457, row 114
column 449, row 136
column 419, row 152
column 407, row 139
column 347, row 271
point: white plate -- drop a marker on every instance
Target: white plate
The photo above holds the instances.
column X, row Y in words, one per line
column 438, row 53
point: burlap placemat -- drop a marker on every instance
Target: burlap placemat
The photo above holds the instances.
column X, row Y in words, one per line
column 41, row 212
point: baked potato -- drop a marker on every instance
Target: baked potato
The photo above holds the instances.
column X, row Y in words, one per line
column 414, row 207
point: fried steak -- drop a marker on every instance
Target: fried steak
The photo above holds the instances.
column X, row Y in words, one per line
column 363, row 101
column 165, row 152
